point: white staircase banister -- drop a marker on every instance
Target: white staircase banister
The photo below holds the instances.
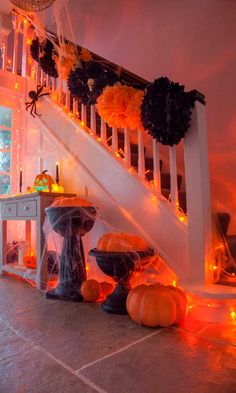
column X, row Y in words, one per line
column 198, row 195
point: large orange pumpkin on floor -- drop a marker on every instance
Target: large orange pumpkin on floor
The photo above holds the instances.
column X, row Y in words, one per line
column 156, row 305
column 121, row 242
column 91, row 290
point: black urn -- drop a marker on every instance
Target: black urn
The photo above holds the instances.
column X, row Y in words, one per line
column 120, row 266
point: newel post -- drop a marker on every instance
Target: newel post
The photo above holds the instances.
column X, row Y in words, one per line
column 198, row 196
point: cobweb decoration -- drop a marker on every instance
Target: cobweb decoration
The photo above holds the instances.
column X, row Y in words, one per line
column 32, row 5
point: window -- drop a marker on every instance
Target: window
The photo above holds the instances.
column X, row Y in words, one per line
column 5, row 149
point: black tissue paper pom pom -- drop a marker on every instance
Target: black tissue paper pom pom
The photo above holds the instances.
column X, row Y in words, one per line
column 34, row 49
column 88, row 82
column 48, row 65
column 43, row 53
column 166, row 111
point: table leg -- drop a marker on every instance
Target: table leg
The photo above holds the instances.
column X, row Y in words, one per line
column 3, row 244
column 42, row 273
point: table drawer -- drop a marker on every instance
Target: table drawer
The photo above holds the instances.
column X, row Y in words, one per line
column 9, row 210
column 27, row 209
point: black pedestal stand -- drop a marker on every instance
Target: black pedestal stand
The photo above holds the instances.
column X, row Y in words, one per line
column 71, row 223
column 120, row 266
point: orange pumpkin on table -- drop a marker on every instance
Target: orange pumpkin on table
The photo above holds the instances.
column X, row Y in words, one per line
column 43, row 182
column 121, row 242
column 156, row 305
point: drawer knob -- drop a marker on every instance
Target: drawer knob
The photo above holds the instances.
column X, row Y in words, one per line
column 9, row 209
column 26, row 208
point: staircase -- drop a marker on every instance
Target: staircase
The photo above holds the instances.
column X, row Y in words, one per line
column 136, row 188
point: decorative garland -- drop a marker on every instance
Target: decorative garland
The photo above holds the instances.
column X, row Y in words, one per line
column 119, row 106
column 87, row 83
column 42, row 52
column 67, row 57
column 166, row 111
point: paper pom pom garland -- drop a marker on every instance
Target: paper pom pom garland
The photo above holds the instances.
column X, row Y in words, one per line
column 87, row 83
column 68, row 56
column 42, row 52
column 119, row 106
column 166, row 111
column 34, row 49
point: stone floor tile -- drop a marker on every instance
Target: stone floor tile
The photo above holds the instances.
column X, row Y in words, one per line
column 17, row 296
column 10, row 344
column 77, row 333
column 221, row 332
column 35, row 372
column 169, row 362
column 193, row 326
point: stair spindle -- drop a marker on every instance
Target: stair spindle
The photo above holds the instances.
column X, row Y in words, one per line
column 84, row 114
column 103, row 131
column 24, row 52
column 141, row 157
column 156, row 166
column 60, row 90
column 15, row 51
column 4, row 55
column 75, row 107
column 127, row 146
column 173, row 177
column 93, row 119
column 67, row 103
column 114, row 139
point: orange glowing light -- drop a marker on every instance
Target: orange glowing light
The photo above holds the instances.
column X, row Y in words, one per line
column 181, row 218
column 28, row 41
column 25, row 21
column 99, row 139
column 233, row 315
column 174, row 283
column 154, row 199
column 16, row 85
column 82, row 123
column 117, row 154
column 215, row 267
column 9, row 61
column 70, row 114
column 87, row 268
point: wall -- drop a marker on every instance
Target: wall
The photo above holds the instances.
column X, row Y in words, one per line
column 192, row 42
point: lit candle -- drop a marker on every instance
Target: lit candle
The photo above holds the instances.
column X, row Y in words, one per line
column 20, row 181
column 57, row 172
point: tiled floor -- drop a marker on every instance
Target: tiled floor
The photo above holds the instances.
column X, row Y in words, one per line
column 61, row 347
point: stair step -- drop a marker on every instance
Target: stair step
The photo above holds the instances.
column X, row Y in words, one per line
column 148, row 162
column 224, row 219
column 181, row 195
column 231, row 240
column 165, row 179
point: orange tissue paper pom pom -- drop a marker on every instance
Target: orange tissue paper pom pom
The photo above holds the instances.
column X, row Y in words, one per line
column 119, row 106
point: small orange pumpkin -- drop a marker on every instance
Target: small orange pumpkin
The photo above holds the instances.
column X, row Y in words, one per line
column 156, row 305
column 30, row 261
column 43, row 182
column 107, row 288
column 123, row 242
column 91, row 290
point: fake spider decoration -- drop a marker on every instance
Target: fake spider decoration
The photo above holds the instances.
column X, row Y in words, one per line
column 35, row 95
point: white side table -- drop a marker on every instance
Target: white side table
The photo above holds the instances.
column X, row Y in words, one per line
column 27, row 207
